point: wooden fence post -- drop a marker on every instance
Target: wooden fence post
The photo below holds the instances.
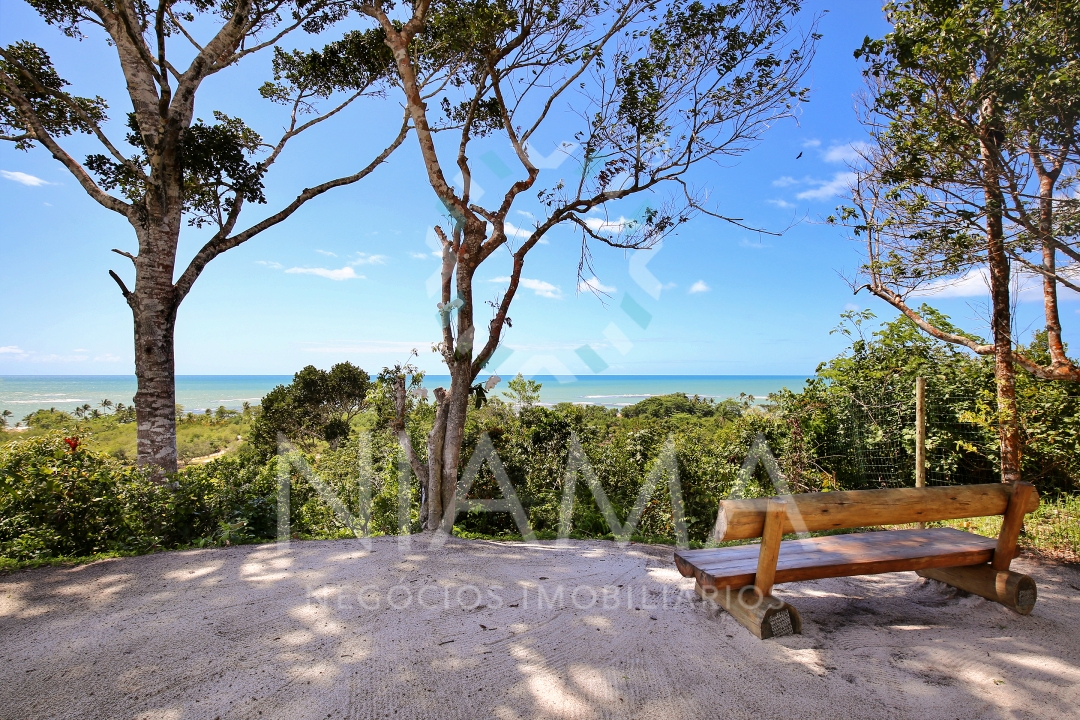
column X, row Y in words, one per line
column 920, row 432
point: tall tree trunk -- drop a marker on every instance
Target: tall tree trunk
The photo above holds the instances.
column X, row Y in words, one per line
column 444, row 444
column 1004, row 369
column 1049, row 261
column 155, row 400
column 154, row 303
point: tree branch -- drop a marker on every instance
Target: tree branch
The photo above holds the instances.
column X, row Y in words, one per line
column 126, row 254
column 897, row 301
column 222, row 242
column 26, row 110
column 123, row 288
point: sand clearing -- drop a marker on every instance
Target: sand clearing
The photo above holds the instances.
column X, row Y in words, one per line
column 478, row 629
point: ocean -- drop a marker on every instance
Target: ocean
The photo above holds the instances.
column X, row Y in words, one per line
column 23, row 394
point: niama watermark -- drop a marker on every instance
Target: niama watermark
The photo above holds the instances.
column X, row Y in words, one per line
column 577, row 467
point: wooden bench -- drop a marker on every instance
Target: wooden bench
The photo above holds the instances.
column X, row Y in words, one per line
column 741, row 578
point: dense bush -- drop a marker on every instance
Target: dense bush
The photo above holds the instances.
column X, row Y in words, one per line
column 849, row 427
column 58, row 499
column 317, row 406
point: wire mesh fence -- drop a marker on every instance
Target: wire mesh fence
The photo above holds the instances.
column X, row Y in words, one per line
column 961, row 446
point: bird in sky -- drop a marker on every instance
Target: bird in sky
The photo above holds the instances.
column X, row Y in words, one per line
column 798, row 156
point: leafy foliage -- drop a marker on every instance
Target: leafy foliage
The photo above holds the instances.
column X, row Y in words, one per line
column 663, row 406
column 58, row 497
column 60, row 113
column 215, row 162
column 316, row 406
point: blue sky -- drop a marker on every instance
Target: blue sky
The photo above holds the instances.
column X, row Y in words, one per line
column 346, row 278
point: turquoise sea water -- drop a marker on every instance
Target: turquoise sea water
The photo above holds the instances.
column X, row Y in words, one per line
column 23, row 394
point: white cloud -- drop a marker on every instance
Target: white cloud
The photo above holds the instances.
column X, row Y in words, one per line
column 23, row 178
column 698, row 287
column 345, row 273
column 365, row 259
column 597, row 224
column 419, row 256
column 594, row 285
column 327, row 253
column 516, row 232
column 845, row 153
column 270, row 264
column 811, row 143
column 12, row 350
column 826, row 189
column 786, row 181
column 369, row 347
column 108, row 357
column 784, row 204
column 743, row 242
column 526, row 213
column 540, row 287
column 975, row 282
column 852, row 307
column 54, row 358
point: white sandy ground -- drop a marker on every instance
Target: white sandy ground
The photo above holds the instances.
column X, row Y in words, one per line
column 311, row 631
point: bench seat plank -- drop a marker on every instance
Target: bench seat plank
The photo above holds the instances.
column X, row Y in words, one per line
column 839, row 556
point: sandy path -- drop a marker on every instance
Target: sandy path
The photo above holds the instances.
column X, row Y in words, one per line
column 312, row 631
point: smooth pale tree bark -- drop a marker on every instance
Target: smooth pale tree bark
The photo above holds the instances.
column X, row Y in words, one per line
column 184, row 171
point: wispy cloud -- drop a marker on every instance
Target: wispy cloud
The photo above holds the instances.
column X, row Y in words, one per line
column 23, row 178
column 365, row 259
column 270, row 264
column 526, row 213
column 594, row 285
column 781, row 203
column 975, row 282
column 699, row 287
column 784, row 181
column 419, row 255
column 811, row 143
column 746, row 243
column 845, row 153
column 540, row 287
column 368, row 347
column 345, row 273
column 326, row 252
column 14, row 352
column 597, row 224
column 514, row 231
column 826, row 189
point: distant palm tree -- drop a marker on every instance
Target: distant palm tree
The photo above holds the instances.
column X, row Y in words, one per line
column 4, row 418
column 79, row 412
column 106, row 404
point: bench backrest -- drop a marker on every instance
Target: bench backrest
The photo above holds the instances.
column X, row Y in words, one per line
column 744, row 519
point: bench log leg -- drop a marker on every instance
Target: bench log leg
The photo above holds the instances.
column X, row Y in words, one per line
column 764, row 616
column 1011, row 589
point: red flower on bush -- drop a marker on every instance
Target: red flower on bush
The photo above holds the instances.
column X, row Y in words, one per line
column 73, row 443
